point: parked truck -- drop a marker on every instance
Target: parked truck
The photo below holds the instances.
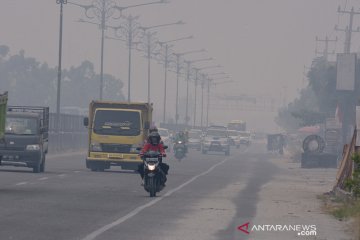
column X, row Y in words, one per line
column 116, row 129
column 26, row 137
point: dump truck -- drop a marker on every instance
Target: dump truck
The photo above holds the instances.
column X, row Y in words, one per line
column 26, row 137
column 116, row 130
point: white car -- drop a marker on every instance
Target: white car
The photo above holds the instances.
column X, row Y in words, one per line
column 165, row 136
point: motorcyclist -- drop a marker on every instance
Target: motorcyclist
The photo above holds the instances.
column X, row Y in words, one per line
column 181, row 137
column 154, row 144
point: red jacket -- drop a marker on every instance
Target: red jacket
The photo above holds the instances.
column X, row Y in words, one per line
column 157, row 148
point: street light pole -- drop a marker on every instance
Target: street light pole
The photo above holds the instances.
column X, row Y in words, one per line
column 187, row 118
column 196, row 85
column 178, row 55
column 210, row 81
column 57, row 123
column 103, row 10
column 202, row 101
column 151, row 44
column 166, row 65
column 102, row 49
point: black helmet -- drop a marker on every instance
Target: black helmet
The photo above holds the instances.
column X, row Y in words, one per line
column 153, row 129
column 154, row 138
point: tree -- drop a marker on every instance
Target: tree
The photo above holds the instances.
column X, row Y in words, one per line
column 316, row 102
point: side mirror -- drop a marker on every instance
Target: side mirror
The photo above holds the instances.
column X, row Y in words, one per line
column 86, row 121
column 166, row 147
column 138, row 148
column 147, row 125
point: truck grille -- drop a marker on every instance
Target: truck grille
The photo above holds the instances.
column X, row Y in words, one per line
column 115, row 148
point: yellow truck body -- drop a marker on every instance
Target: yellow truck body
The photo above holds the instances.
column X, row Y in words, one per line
column 116, row 129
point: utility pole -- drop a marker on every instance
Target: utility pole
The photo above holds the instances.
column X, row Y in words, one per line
column 326, row 52
column 349, row 29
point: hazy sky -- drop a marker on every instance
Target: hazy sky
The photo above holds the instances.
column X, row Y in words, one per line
column 262, row 44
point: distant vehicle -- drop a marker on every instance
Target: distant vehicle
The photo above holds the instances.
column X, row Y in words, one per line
column 26, row 137
column 234, row 137
column 245, row 138
column 237, row 125
column 195, row 137
column 217, row 140
column 165, row 136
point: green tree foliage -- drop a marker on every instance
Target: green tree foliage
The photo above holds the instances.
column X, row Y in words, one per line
column 316, row 102
column 30, row 82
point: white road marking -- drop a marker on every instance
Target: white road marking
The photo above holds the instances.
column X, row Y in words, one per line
column 137, row 210
column 76, row 171
column 62, row 175
column 43, row 178
column 21, row 183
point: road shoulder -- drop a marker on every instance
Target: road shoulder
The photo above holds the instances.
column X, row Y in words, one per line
column 292, row 198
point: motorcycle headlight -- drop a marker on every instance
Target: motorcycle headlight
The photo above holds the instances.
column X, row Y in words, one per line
column 151, row 167
column 95, row 147
column 179, row 142
column 33, row 147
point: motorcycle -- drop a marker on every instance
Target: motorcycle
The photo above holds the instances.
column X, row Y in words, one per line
column 154, row 177
column 179, row 150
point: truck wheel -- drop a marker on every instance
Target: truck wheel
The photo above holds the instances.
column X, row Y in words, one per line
column 42, row 165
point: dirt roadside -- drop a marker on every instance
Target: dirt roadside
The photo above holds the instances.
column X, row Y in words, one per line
column 292, row 198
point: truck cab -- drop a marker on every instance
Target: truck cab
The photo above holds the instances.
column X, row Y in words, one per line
column 26, row 137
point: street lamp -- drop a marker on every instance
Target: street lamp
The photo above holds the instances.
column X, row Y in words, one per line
column 150, row 45
column 203, row 76
column 166, row 65
column 187, row 84
column 104, row 10
column 178, row 56
column 130, row 30
column 212, row 81
column 57, row 122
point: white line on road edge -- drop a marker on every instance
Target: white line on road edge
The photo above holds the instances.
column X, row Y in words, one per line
column 21, row 183
column 43, row 178
column 137, row 210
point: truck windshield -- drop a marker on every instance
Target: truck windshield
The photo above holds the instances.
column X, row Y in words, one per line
column 21, row 126
column 114, row 122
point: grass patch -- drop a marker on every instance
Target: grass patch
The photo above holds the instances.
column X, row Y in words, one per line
column 343, row 210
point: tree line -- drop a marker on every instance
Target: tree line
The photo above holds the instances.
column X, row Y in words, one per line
column 30, row 82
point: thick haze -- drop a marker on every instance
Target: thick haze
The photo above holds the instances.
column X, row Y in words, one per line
column 262, row 44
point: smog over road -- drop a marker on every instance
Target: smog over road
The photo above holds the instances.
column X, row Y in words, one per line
column 255, row 102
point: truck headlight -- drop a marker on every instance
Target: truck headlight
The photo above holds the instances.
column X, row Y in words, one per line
column 95, row 147
column 33, row 147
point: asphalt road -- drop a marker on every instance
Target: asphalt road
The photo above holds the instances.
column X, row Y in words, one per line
column 207, row 197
